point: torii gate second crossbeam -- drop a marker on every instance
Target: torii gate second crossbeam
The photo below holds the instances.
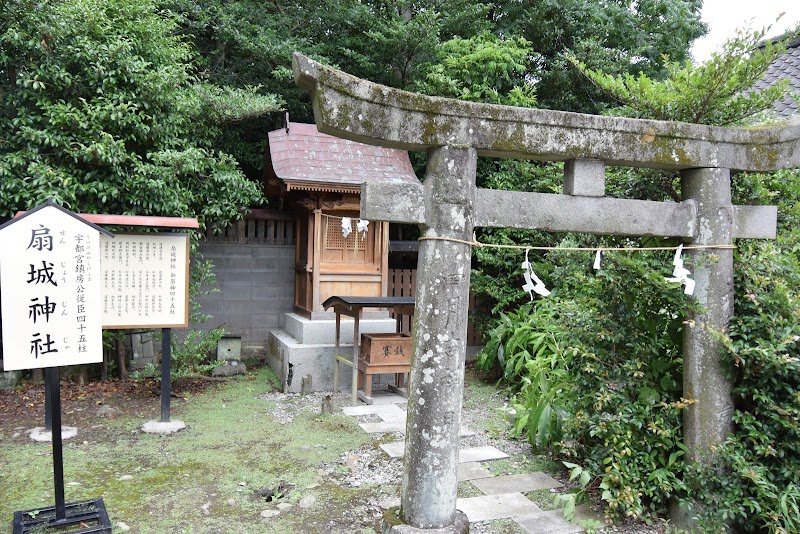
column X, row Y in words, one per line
column 449, row 206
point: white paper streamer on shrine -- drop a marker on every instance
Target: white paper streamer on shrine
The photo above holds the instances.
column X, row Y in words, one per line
column 347, row 226
column 362, row 226
column 532, row 282
column 681, row 274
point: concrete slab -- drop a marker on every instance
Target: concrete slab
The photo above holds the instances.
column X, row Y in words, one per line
column 480, row 454
column 383, row 426
column 496, row 507
column 522, row 483
column 395, row 450
column 39, row 434
column 472, row 471
column 550, row 522
column 464, row 432
column 161, row 427
column 387, row 412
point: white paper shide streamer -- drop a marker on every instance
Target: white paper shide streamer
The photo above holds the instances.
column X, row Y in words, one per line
column 680, row 275
column 347, row 226
column 532, row 282
column 362, row 226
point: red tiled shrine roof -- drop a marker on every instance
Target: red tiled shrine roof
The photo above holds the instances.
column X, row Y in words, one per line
column 305, row 159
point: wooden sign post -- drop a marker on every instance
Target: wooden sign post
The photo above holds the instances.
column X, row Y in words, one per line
column 51, row 308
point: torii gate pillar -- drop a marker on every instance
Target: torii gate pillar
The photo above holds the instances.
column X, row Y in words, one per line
column 440, row 324
column 708, row 421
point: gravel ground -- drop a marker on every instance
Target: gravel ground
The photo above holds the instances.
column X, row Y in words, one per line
column 369, row 465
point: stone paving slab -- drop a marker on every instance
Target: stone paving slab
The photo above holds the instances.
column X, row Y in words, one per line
column 522, row 483
column 469, row 454
column 396, row 449
column 500, row 506
column 376, row 428
column 550, row 522
column 472, row 471
column 480, row 454
column 381, row 410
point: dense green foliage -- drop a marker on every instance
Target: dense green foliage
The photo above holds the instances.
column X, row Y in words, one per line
column 714, row 92
column 754, row 483
column 596, row 366
column 100, row 111
column 407, row 44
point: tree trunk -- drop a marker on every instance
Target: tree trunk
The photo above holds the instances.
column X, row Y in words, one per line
column 104, row 366
column 83, row 375
column 123, row 371
column 37, row 376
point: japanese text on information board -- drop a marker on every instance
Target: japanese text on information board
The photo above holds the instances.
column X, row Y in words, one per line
column 145, row 280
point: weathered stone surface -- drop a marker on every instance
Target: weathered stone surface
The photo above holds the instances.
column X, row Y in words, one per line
column 564, row 213
column 497, row 506
column 550, row 522
column 521, row 483
column 396, row 449
column 40, row 434
column 755, row 222
column 480, row 454
column 472, row 471
column 708, row 421
column 448, row 206
column 356, row 109
column 230, row 369
column 383, row 426
column 163, row 427
column 440, row 326
column 392, row 525
column 585, row 177
column 387, row 412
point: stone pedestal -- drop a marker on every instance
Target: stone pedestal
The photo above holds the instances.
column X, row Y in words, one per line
column 392, row 524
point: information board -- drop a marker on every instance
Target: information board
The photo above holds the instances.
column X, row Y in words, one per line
column 145, row 280
column 50, row 280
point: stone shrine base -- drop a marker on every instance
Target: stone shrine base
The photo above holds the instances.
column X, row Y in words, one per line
column 392, row 525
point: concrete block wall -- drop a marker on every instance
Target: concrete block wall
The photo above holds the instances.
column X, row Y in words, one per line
column 256, row 285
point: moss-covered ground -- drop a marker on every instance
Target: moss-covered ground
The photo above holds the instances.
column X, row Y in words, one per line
column 214, row 476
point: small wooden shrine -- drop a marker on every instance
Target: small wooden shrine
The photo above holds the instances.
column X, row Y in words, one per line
column 321, row 177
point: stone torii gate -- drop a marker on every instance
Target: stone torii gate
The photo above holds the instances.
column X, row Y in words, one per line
column 449, row 205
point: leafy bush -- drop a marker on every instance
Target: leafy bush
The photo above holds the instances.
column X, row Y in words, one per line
column 754, row 483
column 596, row 368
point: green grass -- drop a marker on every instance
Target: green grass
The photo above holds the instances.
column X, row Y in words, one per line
column 231, row 449
column 234, row 449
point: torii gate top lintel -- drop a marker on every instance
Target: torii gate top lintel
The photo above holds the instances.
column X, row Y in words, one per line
column 360, row 110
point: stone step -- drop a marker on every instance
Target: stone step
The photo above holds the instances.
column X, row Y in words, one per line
column 522, row 483
column 472, row 471
column 550, row 522
column 468, row 454
column 502, row 506
column 387, row 412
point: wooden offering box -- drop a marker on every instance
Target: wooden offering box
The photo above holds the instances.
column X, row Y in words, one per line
column 392, row 348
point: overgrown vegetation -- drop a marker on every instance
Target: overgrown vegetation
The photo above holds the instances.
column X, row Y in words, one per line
column 597, row 366
column 102, row 112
